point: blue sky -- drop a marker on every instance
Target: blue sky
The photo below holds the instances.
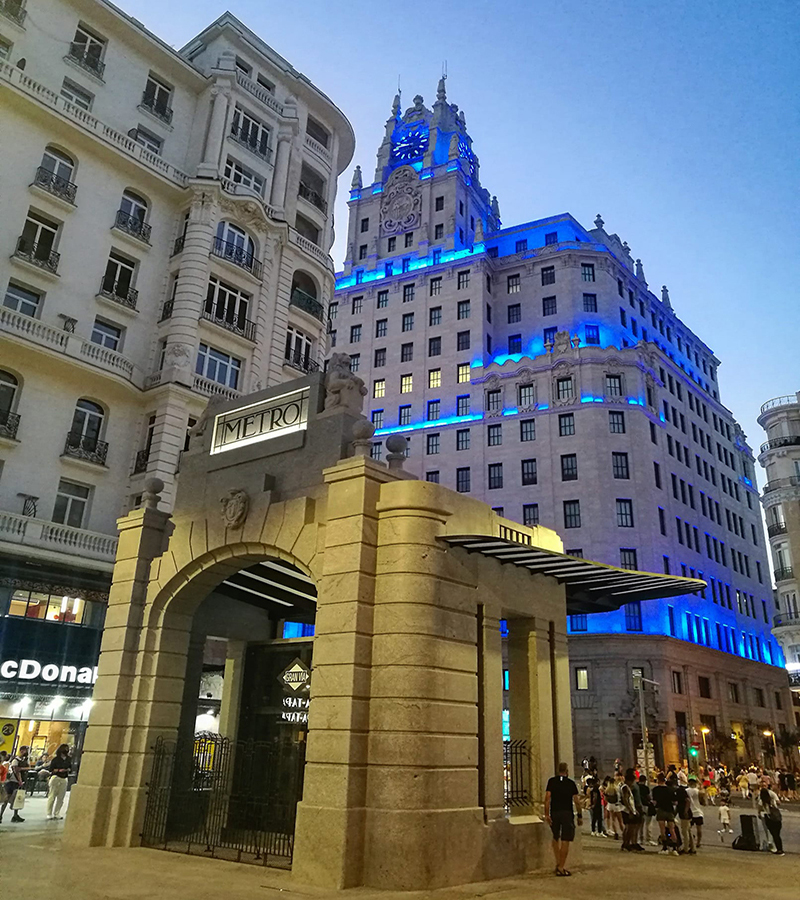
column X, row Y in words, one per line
column 677, row 121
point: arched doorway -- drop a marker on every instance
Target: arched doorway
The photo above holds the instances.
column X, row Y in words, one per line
column 228, row 783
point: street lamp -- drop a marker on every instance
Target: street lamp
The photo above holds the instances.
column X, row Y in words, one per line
column 769, row 733
column 704, row 731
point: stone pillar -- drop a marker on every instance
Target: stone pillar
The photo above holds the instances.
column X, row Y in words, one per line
column 110, row 795
column 232, row 689
column 562, row 706
column 220, row 95
column 281, row 171
column 490, row 711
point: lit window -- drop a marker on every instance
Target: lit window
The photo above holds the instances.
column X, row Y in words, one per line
column 379, row 387
column 434, row 378
column 581, row 679
column 462, row 373
column 406, row 384
column 513, row 284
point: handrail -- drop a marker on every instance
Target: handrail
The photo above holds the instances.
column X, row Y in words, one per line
column 785, row 400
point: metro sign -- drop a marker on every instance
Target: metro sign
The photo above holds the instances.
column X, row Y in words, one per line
column 260, row 421
column 296, row 678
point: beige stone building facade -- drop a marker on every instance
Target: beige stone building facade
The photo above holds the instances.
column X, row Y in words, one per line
column 780, row 457
column 164, row 238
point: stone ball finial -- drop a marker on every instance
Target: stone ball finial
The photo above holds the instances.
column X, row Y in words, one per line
column 396, row 444
column 362, row 432
column 153, row 486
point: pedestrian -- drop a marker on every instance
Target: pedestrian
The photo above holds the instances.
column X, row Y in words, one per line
column 60, row 767
column 614, row 824
column 769, row 809
column 631, row 811
column 648, row 813
column 791, row 785
column 744, row 785
column 696, row 798
column 14, row 784
column 561, row 794
column 724, row 819
column 596, row 808
column 684, row 809
column 663, row 798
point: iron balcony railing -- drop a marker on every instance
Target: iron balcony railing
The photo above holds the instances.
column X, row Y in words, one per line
column 89, row 449
column 259, row 147
column 55, row 184
column 14, row 10
column 166, row 310
column 788, row 440
column 159, row 110
column 776, row 528
column 140, row 463
column 179, row 242
column 9, row 423
column 301, row 362
column 785, row 618
column 778, row 483
column 237, row 324
column 89, row 61
column 132, row 225
column 126, row 296
column 313, row 197
column 786, row 573
column 790, row 400
column 231, row 252
column 307, row 303
column 41, row 255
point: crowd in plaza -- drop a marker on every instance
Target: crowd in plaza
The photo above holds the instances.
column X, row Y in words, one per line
column 20, row 774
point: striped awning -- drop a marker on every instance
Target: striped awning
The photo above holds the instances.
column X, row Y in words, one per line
column 591, row 586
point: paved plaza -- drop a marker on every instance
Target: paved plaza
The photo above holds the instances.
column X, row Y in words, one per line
column 33, row 859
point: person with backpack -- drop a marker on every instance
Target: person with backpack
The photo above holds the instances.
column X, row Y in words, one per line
column 769, row 810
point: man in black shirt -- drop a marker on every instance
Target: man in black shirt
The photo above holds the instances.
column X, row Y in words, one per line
column 664, row 800
column 560, row 795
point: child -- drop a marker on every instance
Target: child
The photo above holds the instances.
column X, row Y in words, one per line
column 724, row 819
column 711, row 792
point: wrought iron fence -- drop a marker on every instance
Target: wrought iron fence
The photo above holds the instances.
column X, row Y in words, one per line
column 515, row 774
column 234, row 800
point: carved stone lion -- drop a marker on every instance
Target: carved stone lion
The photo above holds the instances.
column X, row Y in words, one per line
column 343, row 388
column 234, row 505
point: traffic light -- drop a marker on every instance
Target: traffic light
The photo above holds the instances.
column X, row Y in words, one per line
column 694, row 750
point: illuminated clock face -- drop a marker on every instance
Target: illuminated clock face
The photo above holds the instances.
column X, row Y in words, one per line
column 465, row 153
column 412, row 144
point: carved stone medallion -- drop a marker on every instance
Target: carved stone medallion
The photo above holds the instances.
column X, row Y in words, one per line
column 234, row 505
column 401, row 208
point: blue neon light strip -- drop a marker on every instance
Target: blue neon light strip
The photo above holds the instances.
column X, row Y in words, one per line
column 446, row 257
column 436, row 423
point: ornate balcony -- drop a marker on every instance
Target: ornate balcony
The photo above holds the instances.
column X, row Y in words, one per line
column 9, row 423
column 29, row 530
column 237, row 255
column 79, row 446
column 784, row 574
column 14, row 10
column 778, row 483
column 55, row 185
column 40, row 255
column 312, row 196
column 788, row 440
column 140, row 463
column 790, row 400
column 159, row 110
column 166, row 310
column 77, row 53
column 785, row 618
column 179, row 242
column 301, row 362
column 307, row 303
column 133, row 226
column 241, row 136
column 776, row 529
column 236, row 324
column 125, row 296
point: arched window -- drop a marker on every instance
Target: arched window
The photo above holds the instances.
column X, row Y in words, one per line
column 235, row 245
column 87, row 425
column 132, row 214
column 304, row 294
column 134, row 206
column 56, row 174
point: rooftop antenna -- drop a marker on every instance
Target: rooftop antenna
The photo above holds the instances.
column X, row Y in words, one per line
column 444, row 69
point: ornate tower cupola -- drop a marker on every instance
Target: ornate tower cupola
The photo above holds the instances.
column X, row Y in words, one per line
column 426, row 191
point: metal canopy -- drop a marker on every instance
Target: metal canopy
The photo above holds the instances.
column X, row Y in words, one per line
column 591, row 586
column 276, row 586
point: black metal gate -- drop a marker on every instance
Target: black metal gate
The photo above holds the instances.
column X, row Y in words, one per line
column 515, row 774
column 234, row 800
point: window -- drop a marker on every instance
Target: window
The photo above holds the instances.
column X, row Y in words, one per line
column 406, row 266
column 494, row 401
column 526, row 395
column 463, row 309
column 9, row 388
column 380, row 328
column 566, row 424
column 514, row 313
column 616, row 422
column 677, row 682
column 733, row 692
column 438, row 204
column 76, row 95
column 147, row 139
column 404, row 415
column 619, row 465
column 551, row 238
column 362, row 251
column 377, row 418
column 87, row 48
column 218, row 366
column 462, row 439
column 408, row 322
column 254, row 135
column 462, row 280
column 376, row 451
column 587, row 272
column 758, row 693
column 72, row 504
column 548, row 275
column 572, row 514
column 527, row 430
column 434, row 378
column 592, row 334
column 118, row 278
column 521, row 246
column 408, row 239
column 529, row 475
column 462, row 373
column 530, row 514
column 357, row 306
column 513, row 284
column 625, row 513
column 614, row 385
column 462, row 340
column 21, row 299
column 564, row 389
column 463, row 481
column 550, row 335
column 157, row 97
column 406, row 352
column 515, row 343
column 579, row 622
column 549, row 306
column 627, row 558
column 494, row 435
column 432, row 444
column 590, row 302
column 5, row 48
column 391, row 244
column 434, row 407
column 438, row 231
column 435, row 287
column 406, row 384
column 383, row 299
column 569, row 467
column 106, row 335
column 432, row 477
column 408, row 293
column 633, row 616
column 704, row 686
column 462, row 405
column 38, row 239
column 355, row 334
column 495, row 476
column 581, row 679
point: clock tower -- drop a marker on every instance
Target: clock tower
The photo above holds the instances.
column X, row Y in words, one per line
column 426, row 199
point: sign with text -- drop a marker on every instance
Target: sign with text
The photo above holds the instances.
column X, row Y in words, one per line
column 260, row 421
column 296, row 678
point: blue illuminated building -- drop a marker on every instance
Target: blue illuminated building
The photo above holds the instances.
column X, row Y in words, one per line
column 533, row 367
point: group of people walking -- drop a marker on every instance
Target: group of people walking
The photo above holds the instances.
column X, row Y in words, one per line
column 14, row 773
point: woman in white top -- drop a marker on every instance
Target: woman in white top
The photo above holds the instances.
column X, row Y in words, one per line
column 768, row 809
